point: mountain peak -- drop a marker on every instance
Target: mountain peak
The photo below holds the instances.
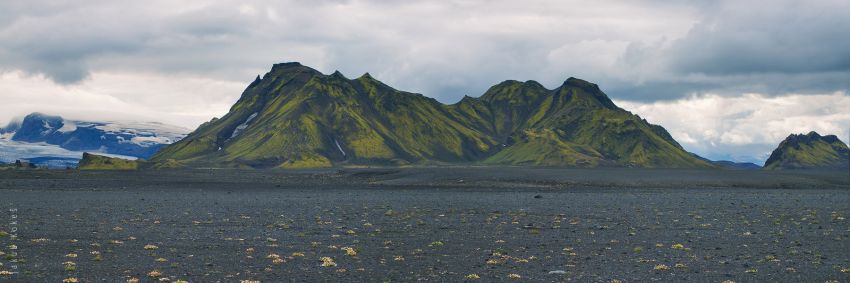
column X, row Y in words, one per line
column 338, row 74
column 579, row 83
column 291, row 68
column 286, row 65
column 533, row 83
column 589, row 88
column 255, row 82
column 810, row 137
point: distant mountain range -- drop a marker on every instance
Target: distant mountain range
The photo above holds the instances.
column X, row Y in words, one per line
column 810, row 151
column 57, row 142
column 296, row 117
column 737, row 165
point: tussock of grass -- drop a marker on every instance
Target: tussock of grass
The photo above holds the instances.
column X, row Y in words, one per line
column 349, row 251
column 327, row 261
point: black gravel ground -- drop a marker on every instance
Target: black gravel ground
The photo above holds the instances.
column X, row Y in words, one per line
column 432, row 224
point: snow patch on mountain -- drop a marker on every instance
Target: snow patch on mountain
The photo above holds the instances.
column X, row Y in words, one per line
column 339, row 147
column 143, row 133
column 47, row 128
column 152, row 140
column 243, row 125
column 68, row 126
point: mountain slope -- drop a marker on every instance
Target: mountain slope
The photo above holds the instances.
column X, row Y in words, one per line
column 298, row 117
column 295, row 116
column 575, row 124
column 810, row 151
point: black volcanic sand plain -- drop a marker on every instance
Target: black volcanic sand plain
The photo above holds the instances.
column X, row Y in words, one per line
column 434, row 224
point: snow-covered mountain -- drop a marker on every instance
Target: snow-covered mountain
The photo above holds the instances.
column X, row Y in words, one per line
column 54, row 141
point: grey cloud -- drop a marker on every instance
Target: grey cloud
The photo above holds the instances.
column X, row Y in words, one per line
column 59, row 42
column 769, row 47
column 744, row 37
column 732, row 85
column 474, row 40
column 447, row 49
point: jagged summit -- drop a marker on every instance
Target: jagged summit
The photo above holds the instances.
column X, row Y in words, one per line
column 255, row 82
column 295, row 117
column 588, row 86
column 337, row 73
column 287, row 65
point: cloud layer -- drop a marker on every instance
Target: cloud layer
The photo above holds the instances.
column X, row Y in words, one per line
column 119, row 97
column 185, row 61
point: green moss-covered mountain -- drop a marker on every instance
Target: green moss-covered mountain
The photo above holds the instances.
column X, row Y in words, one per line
column 809, row 151
column 99, row 162
column 297, row 117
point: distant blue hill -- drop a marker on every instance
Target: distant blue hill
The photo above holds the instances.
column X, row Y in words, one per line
column 54, row 162
column 737, row 165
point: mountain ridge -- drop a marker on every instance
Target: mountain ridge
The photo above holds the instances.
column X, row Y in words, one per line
column 295, row 116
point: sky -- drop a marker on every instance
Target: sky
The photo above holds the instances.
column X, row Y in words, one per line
column 728, row 79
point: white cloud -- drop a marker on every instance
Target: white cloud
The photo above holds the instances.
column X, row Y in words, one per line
column 749, row 127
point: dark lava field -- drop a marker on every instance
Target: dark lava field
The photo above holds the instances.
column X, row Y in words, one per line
column 458, row 224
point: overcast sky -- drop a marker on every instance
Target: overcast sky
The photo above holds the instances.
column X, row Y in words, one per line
column 728, row 79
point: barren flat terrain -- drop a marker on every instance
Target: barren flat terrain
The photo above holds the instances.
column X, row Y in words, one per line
column 434, row 224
